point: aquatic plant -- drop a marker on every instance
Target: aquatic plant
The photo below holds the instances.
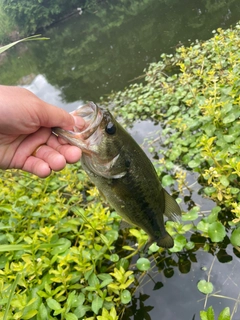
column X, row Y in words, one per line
column 195, row 95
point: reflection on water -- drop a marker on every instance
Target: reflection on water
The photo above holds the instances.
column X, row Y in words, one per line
column 168, row 292
column 50, row 94
column 87, row 57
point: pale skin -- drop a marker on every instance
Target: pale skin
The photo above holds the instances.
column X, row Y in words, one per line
column 26, row 139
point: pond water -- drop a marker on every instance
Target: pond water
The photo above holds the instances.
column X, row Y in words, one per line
column 86, row 57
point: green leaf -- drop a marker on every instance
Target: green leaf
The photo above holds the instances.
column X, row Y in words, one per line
column 225, row 314
column 205, row 287
column 207, row 315
column 216, row 231
column 62, row 245
column 190, row 245
column 154, row 247
column 114, row 257
column 229, row 118
column 125, row 296
column 42, row 312
column 194, row 163
column 93, row 280
column 213, row 217
column 71, row 316
column 53, row 304
column 97, row 304
column 81, row 311
column 167, row 180
column 191, row 215
column 203, row 226
column 30, row 314
column 6, row 208
column 235, row 237
column 224, row 181
column 34, row 37
column 179, row 243
column 143, row 264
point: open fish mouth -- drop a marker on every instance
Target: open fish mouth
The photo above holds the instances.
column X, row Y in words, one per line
column 92, row 116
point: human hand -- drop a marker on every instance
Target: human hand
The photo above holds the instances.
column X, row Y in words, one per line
column 26, row 139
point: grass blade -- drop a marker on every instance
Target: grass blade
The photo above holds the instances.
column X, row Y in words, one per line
column 11, row 295
column 35, row 37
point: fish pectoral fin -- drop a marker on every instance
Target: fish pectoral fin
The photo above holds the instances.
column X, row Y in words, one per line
column 172, row 209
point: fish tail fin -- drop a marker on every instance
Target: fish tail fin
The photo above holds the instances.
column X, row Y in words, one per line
column 166, row 241
column 172, row 209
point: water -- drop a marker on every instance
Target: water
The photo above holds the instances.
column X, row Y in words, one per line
column 90, row 55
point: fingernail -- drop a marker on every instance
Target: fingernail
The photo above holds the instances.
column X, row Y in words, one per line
column 79, row 122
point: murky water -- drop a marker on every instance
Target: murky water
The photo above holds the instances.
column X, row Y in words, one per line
column 90, row 55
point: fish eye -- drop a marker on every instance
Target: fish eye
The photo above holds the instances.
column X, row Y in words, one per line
column 110, row 128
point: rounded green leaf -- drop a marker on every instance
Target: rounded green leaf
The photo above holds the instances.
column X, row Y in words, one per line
column 235, row 237
column 143, row 264
column 179, row 243
column 203, row 226
column 216, row 231
column 194, row 163
column 167, row 180
column 114, row 257
column 125, row 296
column 224, row 181
column 205, row 287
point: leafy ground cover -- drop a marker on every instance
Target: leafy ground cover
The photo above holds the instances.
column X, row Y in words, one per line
column 60, row 255
column 196, row 96
column 57, row 259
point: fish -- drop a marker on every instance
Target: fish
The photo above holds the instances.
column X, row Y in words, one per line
column 122, row 172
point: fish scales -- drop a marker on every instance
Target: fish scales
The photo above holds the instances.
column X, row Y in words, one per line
column 123, row 173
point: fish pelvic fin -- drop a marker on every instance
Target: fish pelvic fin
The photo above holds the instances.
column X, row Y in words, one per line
column 166, row 241
column 172, row 209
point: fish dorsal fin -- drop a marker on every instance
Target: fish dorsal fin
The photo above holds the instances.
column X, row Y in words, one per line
column 172, row 210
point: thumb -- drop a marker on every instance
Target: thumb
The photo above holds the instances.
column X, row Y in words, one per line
column 51, row 116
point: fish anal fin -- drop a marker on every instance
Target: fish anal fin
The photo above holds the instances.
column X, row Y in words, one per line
column 172, row 210
column 126, row 225
column 166, row 241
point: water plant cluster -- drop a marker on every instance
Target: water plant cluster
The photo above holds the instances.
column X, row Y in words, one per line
column 62, row 254
column 195, row 94
column 57, row 256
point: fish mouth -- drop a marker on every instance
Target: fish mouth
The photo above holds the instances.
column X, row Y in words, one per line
column 92, row 116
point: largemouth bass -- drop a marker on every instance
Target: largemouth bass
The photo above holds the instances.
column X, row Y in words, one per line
column 122, row 172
